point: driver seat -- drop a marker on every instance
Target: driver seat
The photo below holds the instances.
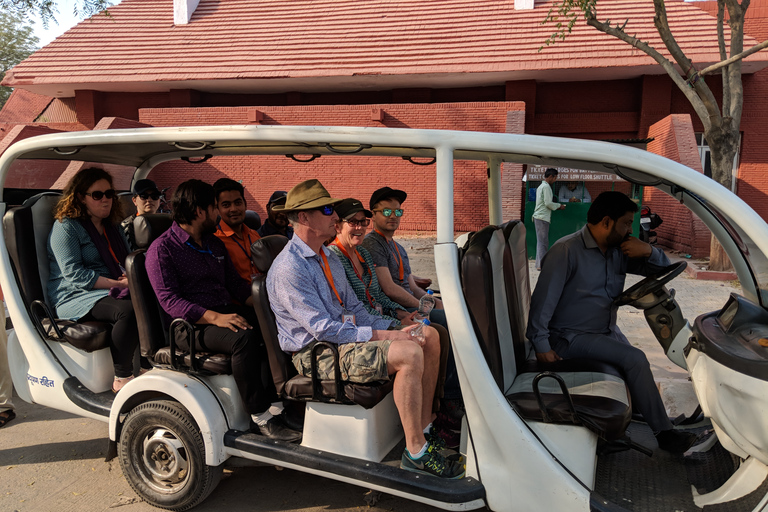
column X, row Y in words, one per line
column 574, row 391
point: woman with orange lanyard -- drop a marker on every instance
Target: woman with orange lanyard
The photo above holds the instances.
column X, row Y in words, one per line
column 87, row 251
column 358, row 265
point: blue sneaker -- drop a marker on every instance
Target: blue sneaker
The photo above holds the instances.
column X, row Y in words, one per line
column 432, row 463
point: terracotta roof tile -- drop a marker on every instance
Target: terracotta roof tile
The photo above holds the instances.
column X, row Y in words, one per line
column 23, row 107
column 250, row 39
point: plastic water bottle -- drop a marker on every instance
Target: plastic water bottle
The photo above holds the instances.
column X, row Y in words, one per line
column 426, row 304
column 417, row 333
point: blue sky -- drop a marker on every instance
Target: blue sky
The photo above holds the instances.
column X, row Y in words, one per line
column 65, row 19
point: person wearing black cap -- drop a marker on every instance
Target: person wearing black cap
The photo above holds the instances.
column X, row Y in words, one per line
column 146, row 198
column 277, row 222
column 393, row 270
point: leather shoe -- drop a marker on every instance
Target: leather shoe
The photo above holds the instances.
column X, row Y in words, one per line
column 674, row 441
column 276, row 430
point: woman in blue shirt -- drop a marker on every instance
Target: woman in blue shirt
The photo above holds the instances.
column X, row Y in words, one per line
column 86, row 252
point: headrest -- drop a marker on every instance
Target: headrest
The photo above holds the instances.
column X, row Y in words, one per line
column 252, row 219
column 149, row 226
column 265, row 250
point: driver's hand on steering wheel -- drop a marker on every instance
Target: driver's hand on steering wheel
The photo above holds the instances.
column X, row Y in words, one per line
column 634, row 248
column 548, row 357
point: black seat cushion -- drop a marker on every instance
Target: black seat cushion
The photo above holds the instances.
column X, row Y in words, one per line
column 149, row 226
column 220, row 364
column 600, row 396
column 88, row 336
column 365, row 395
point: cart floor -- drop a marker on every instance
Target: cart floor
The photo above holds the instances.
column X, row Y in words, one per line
column 662, row 483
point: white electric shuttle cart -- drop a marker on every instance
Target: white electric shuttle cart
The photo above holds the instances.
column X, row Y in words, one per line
column 557, row 438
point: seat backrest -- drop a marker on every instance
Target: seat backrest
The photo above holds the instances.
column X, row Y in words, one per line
column 252, row 219
column 518, row 282
column 152, row 333
column 482, row 276
column 263, row 253
column 26, row 235
column 126, row 203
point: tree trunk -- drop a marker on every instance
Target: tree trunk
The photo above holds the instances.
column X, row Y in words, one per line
column 718, row 260
column 723, row 144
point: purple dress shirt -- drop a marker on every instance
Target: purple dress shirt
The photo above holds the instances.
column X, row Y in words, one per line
column 189, row 279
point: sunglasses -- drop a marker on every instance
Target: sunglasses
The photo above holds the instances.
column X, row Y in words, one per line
column 388, row 212
column 358, row 223
column 327, row 210
column 98, row 195
column 155, row 196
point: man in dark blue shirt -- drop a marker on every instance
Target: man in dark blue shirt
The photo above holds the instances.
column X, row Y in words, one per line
column 276, row 223
column 572, row 313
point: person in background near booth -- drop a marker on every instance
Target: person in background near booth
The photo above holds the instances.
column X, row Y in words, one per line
column 6, row 384
column 572, row 314
column 194, row 279
column 542, row 214
column 146, row 198
column 86, row 251
column 393, row 270
column 574, row 192
column 237, row 237
column 312, row 300
column 277, row 222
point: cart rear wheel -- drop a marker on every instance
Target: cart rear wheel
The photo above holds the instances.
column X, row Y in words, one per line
column 162, row 455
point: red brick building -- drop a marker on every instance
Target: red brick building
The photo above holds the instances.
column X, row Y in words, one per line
column 453, row 64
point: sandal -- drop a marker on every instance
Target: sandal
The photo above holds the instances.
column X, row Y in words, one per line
column 6, row 416
column 119, row 382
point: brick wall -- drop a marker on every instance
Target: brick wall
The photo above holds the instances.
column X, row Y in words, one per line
column 350, row 176
column 682, row 230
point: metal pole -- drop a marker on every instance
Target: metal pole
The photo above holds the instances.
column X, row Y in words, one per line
column 494, row 191
column 444, row 195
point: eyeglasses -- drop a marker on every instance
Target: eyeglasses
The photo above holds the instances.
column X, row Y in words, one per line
column 155, row 196
column 358, row 223
column 388, row 212
column 98, row 195
column 327, row 210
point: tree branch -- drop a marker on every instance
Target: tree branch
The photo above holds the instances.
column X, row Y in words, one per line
column 702, row 89
column 746, row 53
column 693, row 97
column 723, row 56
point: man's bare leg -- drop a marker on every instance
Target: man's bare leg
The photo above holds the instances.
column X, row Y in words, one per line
column 430, row 373
column 405, row 359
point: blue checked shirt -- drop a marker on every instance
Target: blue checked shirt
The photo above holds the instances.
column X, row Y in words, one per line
column 305, row 307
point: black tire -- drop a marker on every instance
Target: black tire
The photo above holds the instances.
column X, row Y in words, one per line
column 162, row 455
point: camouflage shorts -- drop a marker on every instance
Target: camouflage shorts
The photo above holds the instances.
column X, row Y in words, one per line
column 360, row 362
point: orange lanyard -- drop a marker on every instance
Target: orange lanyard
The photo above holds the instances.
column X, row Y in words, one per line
column 399, row 258
column 328, row 275
column 362, row 263
column 110, row 249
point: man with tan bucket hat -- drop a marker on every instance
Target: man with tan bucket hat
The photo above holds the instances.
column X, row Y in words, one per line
column 312, row 300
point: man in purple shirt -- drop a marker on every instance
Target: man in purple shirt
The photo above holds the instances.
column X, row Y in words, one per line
column 194, row 279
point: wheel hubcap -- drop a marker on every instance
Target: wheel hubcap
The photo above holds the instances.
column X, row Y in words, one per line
column 165, row 458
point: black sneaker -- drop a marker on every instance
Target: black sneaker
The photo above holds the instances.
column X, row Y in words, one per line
column 277, row 430
column 441, row 445
column 674, row 441
column 432, row 463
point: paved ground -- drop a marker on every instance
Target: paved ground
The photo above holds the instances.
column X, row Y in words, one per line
column 53, row 461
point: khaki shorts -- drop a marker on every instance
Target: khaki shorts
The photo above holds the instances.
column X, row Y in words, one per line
column 360, row 362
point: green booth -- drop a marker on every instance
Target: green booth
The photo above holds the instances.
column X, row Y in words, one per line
column 577, row 188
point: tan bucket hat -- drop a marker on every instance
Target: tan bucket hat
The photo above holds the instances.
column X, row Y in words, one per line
column 307, row 195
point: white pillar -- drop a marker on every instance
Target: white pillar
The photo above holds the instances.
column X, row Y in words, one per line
column 183, row 10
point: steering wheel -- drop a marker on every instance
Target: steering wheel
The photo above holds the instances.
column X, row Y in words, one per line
column 650, row 284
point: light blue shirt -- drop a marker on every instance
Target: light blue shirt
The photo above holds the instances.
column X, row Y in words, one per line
column 75, row 265
column 578, row 283
column 305, row 307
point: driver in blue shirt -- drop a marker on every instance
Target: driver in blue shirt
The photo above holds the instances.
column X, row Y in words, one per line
column 572, row 313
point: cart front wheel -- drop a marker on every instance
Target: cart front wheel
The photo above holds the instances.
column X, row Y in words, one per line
column 162, row 455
